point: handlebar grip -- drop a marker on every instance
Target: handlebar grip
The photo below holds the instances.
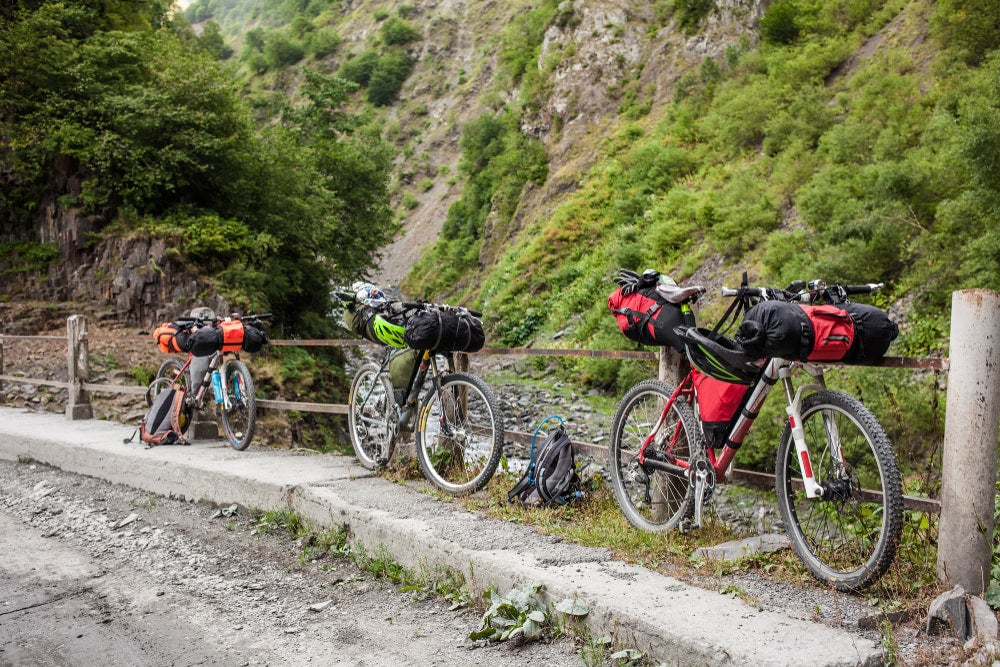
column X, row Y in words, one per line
column 729, row 291
column 863, row 289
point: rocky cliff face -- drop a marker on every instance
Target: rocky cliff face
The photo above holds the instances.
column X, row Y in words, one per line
column 605, row 52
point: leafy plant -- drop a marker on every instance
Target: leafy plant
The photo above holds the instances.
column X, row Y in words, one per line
column 519, row 613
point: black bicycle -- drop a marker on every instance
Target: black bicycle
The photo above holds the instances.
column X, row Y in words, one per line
column 454, row 415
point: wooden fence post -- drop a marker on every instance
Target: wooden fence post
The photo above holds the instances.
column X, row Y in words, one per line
column 969, row 467
column 78, row 366
column 673, row 366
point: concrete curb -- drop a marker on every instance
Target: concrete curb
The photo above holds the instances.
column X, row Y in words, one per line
column 668, row 620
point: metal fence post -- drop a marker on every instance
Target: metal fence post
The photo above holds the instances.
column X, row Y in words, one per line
column 969, row 467
column 78, row 367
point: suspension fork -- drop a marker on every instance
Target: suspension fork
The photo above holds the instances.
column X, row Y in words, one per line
column 227, row 404
column 793, row 409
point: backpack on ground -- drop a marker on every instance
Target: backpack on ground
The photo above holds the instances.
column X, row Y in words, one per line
column 550, row 478
column 166, row 420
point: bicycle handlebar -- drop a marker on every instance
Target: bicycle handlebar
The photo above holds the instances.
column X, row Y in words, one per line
column 203, row 321
column 814, row 290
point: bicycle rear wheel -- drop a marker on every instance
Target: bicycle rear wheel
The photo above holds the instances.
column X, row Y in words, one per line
column 167, row 374
column 459, row 434
column 240, row 419
column 848, row 537
column 652, row 498
column 372, row 417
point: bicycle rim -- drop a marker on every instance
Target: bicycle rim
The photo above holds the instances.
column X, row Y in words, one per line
column 371, row 417
column 652, row 499
column 240, row 419
column 459, row 435
column 849, row 539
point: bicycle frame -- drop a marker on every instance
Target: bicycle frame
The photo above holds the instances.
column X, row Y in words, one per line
column 719, row 464
column 201, row 390
column 428, row 362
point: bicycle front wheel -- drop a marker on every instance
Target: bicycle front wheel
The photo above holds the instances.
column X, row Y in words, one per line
column 240, row 418
column 371, row 417
column 848, row 537
column 658, row 494
column 459, row 434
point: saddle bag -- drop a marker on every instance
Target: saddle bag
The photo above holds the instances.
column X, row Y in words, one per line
column 718, row 405
column 444, row 331
column 645, row 317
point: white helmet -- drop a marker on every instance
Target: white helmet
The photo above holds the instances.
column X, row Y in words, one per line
column 368, row 293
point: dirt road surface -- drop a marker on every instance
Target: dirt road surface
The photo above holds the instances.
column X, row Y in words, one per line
column 95, row 573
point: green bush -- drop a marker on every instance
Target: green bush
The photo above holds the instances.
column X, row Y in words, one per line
column 396, row 31
column 972, row 27
column 387, row 78
column 690, row 13
column 323, row 42
column 358, row 68
column 779, row 24
column 281, row 51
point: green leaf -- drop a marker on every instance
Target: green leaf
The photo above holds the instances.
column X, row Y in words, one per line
column 537, row 616
column 573, row 607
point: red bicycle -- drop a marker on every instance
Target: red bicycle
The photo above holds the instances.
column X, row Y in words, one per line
column 838, row 484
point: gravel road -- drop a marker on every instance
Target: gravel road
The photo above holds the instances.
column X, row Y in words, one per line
column 96, row 573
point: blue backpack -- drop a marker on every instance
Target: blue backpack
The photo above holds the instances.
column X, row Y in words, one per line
column 551, row 477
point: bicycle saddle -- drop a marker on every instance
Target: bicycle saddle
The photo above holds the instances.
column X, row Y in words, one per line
column 678, row 294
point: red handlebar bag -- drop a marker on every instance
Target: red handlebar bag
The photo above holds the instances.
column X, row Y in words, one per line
column 232, row 335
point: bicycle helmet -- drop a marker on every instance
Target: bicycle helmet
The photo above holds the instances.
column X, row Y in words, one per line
column 388, row 333
column 717, row 356
column 368, row 294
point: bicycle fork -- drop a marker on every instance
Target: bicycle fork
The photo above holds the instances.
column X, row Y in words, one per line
column 793, row 409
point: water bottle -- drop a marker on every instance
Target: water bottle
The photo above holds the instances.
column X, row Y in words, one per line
column 217, row 386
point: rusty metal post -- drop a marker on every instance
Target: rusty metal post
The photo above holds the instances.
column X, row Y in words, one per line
column 78, row 366
column 969, row 467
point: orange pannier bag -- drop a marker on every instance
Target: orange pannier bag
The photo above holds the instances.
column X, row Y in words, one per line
column 232, row 335
column 171, row 338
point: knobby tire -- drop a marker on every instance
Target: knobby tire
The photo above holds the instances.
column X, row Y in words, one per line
column 371, row 417
column 459, row 434
column 848, row 540
column 240, row 420
column 652, row 500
